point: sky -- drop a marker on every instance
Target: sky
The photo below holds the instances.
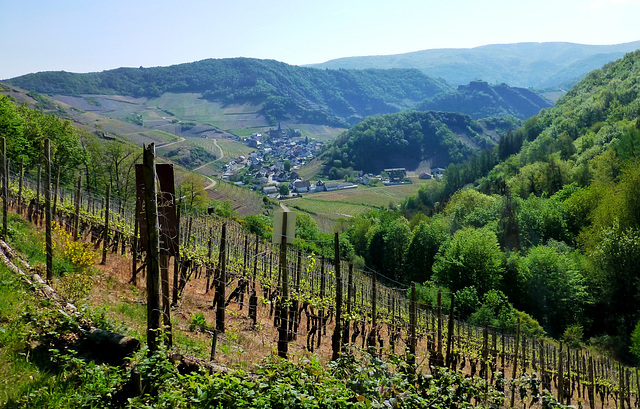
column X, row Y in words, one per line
column 97, row 35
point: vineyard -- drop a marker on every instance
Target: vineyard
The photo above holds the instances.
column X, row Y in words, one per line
column 301, row 302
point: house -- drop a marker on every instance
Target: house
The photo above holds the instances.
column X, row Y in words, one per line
column 425, row 175
column 302, row 186
column 437, row 171
column 396, row 174
column 282, row 177
column 329, row 186
column 270, row 190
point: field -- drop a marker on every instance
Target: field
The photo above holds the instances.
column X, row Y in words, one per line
column 327, row 207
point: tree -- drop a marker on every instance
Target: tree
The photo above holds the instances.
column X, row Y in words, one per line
column 425, row 243
column 287, row 165
column 194, row 197
column 12, row 128
column 120, row 165
column 306, row 227
column 472, row 257
column 283, row 189
column 616, row 258
column 396, row 240
column 556, row 291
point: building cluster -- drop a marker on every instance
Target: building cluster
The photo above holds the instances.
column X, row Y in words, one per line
column 277, row 156
column 280, row 153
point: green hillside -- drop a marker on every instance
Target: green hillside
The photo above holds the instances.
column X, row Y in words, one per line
column 333, row 97
column 481, row 100
column 406, row 139
column 552, row 229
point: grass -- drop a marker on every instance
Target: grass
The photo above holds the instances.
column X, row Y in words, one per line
column 17, row 369
column 327, row 207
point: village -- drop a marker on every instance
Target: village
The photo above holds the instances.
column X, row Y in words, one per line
column 272, row 167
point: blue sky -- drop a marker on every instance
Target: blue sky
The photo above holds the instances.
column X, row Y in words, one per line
column 87, row 36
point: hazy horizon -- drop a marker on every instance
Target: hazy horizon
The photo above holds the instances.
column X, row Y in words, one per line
column 76, row 36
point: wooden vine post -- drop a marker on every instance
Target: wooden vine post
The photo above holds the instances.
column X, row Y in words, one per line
column 176, row 257
column 322, row 295
column 36, row 210
column 153, row 247
column 20, row 182
column 450, row 328
column 515, row 365
column 105, row 233
column 283, row 333
column 134, row 245
column 413, row 318
column 221, row 283
column 371, row 338
column 208, row 270
column 255, row 263
column 335, row 339
column 55, row 191
column 76, row 216
column 47, row 209
column 350, row 295
column 560, row 375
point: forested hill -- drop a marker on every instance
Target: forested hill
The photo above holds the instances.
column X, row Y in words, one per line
column 335, row 97
column 536, row 65
column 405, row 139
column 558, row 217
column 481, row 100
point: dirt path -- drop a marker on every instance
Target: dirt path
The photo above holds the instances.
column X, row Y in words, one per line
column 211, row 184
column 180, row 139
column 215, row 142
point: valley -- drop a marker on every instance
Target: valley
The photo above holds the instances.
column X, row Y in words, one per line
column 463, row 226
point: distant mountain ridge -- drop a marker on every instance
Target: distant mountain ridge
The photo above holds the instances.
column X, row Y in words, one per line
column 536, row 65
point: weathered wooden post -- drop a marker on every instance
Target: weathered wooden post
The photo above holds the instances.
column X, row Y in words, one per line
column 176, row 257
column 337, row 332
column 560, row 375
column 515, row 365
column 350, row 294
column 76, row 216
column 105, row 233
column 371, row 338
column 323, row 327
column 36, row 210
column 134, row 244
column 413, row 318
column 55, row 191
column 208, row 270
column 255, row 262
column 283, row 330
column 20, row 182
column 221, row 283
column 153, row 247
column 450, row 328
